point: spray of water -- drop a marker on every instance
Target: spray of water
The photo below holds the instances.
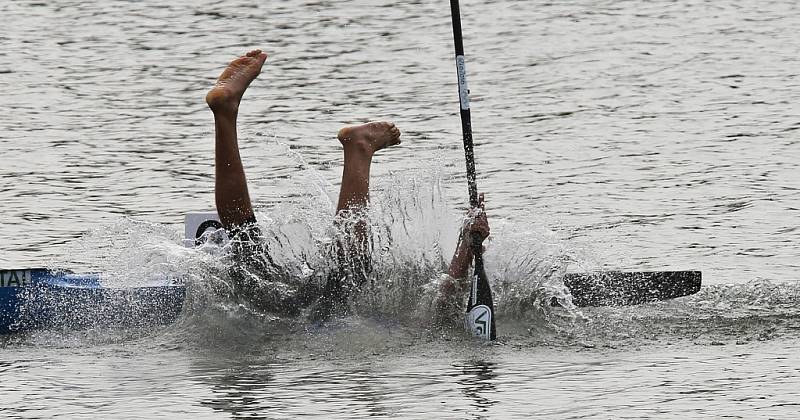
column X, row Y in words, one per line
column 412, row 234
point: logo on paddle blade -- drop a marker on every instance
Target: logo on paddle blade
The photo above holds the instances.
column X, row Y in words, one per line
column 479, row 321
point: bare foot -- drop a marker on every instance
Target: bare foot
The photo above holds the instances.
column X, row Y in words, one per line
column 370, row 137
column 231, row 84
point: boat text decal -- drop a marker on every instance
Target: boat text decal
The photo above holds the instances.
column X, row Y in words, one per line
column 15, row 278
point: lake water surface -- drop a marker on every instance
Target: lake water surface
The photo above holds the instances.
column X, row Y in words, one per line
column 635, row 135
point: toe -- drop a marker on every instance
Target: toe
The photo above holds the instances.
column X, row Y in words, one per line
column 239, row 61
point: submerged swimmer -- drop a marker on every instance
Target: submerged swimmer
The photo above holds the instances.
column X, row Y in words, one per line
column 254, row 275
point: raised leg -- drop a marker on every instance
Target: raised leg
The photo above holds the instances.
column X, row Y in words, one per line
column 360, row 143
column 230, row 190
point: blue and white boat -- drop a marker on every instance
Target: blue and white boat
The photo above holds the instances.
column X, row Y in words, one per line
column 33, row 298
column 39, row 298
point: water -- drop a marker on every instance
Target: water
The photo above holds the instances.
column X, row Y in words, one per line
column 647, row 383
column 621, row 135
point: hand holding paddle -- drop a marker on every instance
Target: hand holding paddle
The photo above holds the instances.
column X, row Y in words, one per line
column 478, row 224
column 475, row 224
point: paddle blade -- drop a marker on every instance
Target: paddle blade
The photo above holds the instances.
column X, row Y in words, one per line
column 617, row 288
column 479, row 320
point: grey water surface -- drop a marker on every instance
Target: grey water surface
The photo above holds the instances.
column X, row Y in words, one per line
column 636, row 135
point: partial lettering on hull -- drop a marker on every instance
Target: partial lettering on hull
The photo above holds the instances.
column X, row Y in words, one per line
column 15, row 278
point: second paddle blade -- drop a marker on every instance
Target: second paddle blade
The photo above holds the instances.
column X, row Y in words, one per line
column 618, row 288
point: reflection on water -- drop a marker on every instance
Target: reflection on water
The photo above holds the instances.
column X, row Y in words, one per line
column 250, row 389
column 476, row 381
column 162, row 377
column 285, row 388
column 238, row 389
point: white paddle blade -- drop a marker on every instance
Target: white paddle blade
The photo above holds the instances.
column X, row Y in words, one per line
column 478, row 322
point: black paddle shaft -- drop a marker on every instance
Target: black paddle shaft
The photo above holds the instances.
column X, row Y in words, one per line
column 463, row 96
column 480, row 308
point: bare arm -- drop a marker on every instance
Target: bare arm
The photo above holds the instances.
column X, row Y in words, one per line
column 462, row 258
